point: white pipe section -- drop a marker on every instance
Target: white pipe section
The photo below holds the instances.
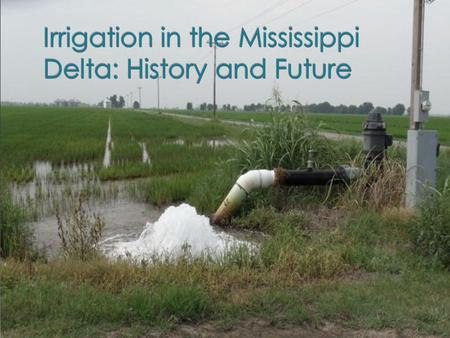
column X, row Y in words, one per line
column 254, row 179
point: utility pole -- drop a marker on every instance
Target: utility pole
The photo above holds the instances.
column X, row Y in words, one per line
column 214, row 45
column 140, row 96
column 422, row 145
column 417, row 58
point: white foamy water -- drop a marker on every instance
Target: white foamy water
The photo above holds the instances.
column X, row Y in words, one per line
column 180, row 231
column 108, row 147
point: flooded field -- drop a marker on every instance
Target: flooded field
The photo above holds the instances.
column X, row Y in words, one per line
column 133, row 227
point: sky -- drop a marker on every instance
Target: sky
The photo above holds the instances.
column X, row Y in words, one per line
column 381, row 65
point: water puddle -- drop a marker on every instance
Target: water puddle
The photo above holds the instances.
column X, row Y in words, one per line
column 179, row 232
column 124, row 221
column 218, row 143
column 145, row 156
column 212, row 143
column 108, row 147
column 43, row 169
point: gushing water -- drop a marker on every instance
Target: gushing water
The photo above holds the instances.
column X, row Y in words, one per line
column 180, row 231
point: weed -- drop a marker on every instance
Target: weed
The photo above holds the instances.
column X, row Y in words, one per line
column 15, row 237
column 268, row 220
column 47, row 301
column 380, row 186
column 431, row 229
column 79, row 230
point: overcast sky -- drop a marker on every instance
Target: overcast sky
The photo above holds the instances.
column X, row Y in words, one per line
column 381, row 66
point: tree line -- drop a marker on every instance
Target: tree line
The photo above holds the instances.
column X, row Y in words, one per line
column 320, row 108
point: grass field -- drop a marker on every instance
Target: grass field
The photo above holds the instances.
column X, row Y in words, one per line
column 78, row 135
column 324, row 257
column 344, row 124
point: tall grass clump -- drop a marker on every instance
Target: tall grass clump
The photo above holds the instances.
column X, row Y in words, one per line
column 381, row 186
column 286, row 142
column 15, row 237
column 431, row 229
column 79, row 230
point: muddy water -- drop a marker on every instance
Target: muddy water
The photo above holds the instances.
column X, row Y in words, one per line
column 124, row 215
column 119, row 204
column 124, row 221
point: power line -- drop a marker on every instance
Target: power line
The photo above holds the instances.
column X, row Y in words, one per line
column 304, row 3
column 334, row 9
column 261, row 14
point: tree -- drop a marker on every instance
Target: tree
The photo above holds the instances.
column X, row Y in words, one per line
column 121, row 103
column 398, row 109
column 352, row 109
column 381, row 110
column 136, row 105
column 365, row 108
column 113, row 100
column 189, row 106
column 325, row 108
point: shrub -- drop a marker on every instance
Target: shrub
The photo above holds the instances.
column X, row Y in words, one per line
column 431, row 229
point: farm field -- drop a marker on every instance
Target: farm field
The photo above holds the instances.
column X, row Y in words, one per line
column 329, row 261
column 344, row 124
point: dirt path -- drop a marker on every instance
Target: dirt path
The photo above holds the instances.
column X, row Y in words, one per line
column 329, row 135
column 261, row 328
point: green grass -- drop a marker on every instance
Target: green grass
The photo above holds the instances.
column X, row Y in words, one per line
column 15, row 238
column 362, row 274
column 344, row 124
column 52, row 309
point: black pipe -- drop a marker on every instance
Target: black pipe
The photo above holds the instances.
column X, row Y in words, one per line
column 312, row 177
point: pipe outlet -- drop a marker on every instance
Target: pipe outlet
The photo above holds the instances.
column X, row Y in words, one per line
column 254, row 179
